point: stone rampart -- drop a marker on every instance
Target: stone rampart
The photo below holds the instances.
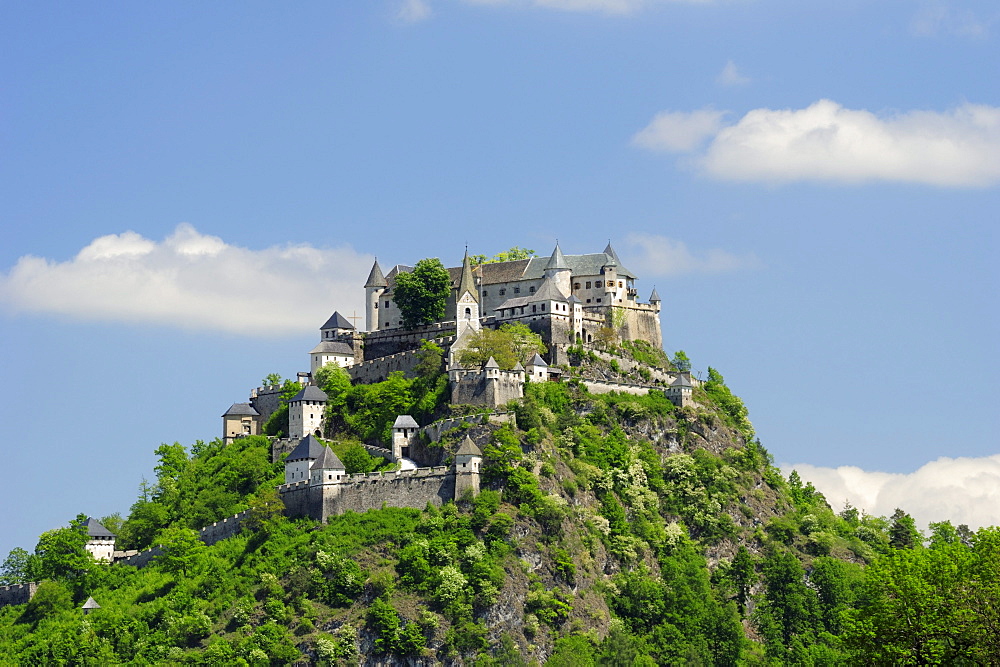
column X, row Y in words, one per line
column 210, row 534
column 367, row 491
column 281, row 446
column 17, row 593
column 434, row 430
column 378, row 451
column 391, row 341
column 266, row 400
column 602, row 387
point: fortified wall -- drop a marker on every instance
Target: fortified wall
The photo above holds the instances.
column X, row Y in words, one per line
column 374, row 490
column 17, row 593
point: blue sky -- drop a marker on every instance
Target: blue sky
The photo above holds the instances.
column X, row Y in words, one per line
column 187, row 191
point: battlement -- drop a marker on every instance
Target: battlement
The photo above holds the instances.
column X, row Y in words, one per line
column 17, row 593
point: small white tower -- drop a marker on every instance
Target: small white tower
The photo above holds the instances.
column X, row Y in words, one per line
column 327, row 468
column 375, row 287
column 558, row 270
column 100, row 541
column 468, row 459
column 240, row 420
column 298, row 463
column 404, row 432
column 305, row 411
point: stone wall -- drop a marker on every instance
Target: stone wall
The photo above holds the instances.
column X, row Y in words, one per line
column 434, row 430
column 211, row 534
column 379, row 344
column 17, row 594
column 601, row 387
column 363, row 492
column 478, row 389
column 266, row 400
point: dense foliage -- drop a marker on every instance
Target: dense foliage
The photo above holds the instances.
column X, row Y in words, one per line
column 421, row 294
column 612, row 529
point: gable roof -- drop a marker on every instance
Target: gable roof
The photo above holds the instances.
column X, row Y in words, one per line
column 327, row 460
column 375, row 278
column 310, row 393
column 308, row 448
column 95, row 529
column 333, row 347
column 468, row 448
column 405, row 421
column 682, row 381
column 518, row 367
column 337, row 321
column 241, row 410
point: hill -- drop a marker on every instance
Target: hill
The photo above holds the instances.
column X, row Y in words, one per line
column 610, row 529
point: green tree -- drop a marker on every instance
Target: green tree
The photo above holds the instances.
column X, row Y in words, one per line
column 511, row 255
column 16, row 568
column 181, row 549
column 60, row 553
column 509, row 345
column 903, row 533
column 422, row 293
column 50, row 598
column 681, row 361
column 270, row 380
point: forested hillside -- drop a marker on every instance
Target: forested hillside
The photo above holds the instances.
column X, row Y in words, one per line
column 611, row 529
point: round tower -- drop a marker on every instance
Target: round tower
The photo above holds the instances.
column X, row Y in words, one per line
column 375, row 287
column 558, row 270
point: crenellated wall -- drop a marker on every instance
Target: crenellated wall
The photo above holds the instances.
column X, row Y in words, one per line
column 17, row 593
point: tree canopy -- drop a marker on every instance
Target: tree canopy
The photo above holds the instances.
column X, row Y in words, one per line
column 511, row 255
column 422, row 293
column 512, row 343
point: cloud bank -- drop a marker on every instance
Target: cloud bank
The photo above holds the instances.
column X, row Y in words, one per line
column 192, row 281
column 962, row 490
column 652, row 255
column 826, row 142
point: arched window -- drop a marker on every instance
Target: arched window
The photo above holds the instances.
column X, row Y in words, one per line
column 468, row 313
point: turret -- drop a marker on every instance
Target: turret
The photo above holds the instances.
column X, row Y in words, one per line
column 404, row 432
column 100, row 541
column 558, row 270
column 241, row 419
column 297, row 463
column 375, row 286
column 654, row 299
column 327, row 468
column 335, row 326
column 468, row 459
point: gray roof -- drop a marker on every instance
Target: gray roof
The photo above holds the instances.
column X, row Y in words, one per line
column 557, row 260
column 310, row 392
column 333, row 347
column 655, row 296
column 327, row 460
column 468, row 448
column 241, row 410
column 518, row 367
column 375, row 278
column 95, row 529
column 574, row 299
column 337, row 321
column 405, row 421
column 537, row 361
column 491, row 363
column 309, row 447
column 682, row 381
column 549, row 291
column 466, row 283
column 610, row 252
column 91, row 604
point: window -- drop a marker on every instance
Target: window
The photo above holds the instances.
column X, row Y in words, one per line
column 534, row 309
column 543, row 306
column 386, row 304
column 576, row 285
column 619, row 284
column 485, row 293
column 531, row 289
column 588, row 284
column 588, row 300
column 597, row 284
column 502, row 292
column 598, row 300
column 517, row 290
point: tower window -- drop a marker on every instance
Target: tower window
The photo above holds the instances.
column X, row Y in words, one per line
column 597, row 284
column 502, row 292
column 531, row 290
column 588, row 284
column 517, row 290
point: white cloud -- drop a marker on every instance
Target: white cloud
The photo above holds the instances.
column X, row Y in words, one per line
column 679, row 131
column 962, row 490
column 936, row 17
column 192, row 281
column 413, row 11
column 826, row 142
column 731, row 76
column 652, row 255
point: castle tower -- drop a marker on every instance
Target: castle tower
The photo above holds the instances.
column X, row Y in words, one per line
column 375, row 286
column 610, row 252
column 468, row 459
column 466, row 300
column 610, row 272
column 240, row 420
column 537, row 369
column 654, row 299
column 301, row 459
column 336, row 325
column 305, row 411
column 100, row 541
column 327, row 468
column 680, row 391
column 558, row 270
column 404, row 433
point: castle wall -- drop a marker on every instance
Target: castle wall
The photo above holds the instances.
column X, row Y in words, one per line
column 475, row 388
column 601, row 387
column 266, row 400
column 220, row 530
column 383, row 343
column 378, row 369
column 363, row 492
column 17, row 593
column 642, row 322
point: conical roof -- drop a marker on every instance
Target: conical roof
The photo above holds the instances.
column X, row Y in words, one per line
column 327, row 460
column 467, row 284
column 654, row 297
column 610, row 252
column 682, row 381
column 557, row 260
column 518, row 367
column 95, row 529
column 91, row 604
column 375, row 278
column 310, row 392
column 337, row 321
column 405, row 421
column 549, row 291
column 309, row 448
column 491, row 363
column 468, row 448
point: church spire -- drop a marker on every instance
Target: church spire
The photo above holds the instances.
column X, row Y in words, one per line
column 467, row 283
column 557, row 261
